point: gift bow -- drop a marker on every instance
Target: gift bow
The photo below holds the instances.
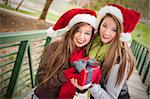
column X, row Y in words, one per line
column 85, row 64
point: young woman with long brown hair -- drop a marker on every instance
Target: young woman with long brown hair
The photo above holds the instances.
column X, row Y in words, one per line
column 78, row 26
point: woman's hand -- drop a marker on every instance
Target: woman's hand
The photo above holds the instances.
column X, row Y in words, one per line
column 75, row 83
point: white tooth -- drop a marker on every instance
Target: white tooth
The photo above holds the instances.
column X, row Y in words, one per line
column 80, row 41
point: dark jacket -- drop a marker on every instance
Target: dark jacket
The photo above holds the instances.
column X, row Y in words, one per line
column 51, row 90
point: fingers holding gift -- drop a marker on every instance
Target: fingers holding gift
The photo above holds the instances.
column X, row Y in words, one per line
column 75, row 83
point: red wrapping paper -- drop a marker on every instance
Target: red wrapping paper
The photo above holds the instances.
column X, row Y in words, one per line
column 83, row 78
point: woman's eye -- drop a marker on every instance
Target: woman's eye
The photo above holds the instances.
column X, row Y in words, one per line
column 88, row 33
column 104, row 25
column 114, row 30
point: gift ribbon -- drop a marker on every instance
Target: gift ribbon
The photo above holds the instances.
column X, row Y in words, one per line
column 81, row 64
column 90, row 73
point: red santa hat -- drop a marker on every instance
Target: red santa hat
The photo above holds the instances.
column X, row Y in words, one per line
column 70, row 18
column 127, row 17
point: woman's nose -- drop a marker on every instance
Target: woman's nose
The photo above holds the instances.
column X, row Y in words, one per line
column 107, row 32
column 81, row 35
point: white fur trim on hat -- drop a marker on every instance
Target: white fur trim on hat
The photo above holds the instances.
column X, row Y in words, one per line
column 125, row 37
column 52, row 33
column 87, row 18
column 112, row 10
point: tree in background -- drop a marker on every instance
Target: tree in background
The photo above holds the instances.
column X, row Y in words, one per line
column 45, row 10
column 19, row 5
column 7, row 2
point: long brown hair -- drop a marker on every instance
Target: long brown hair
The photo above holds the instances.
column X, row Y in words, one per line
column 120, row 53
column 61, row 52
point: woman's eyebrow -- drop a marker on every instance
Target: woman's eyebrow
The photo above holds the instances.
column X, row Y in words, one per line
column 104, row 22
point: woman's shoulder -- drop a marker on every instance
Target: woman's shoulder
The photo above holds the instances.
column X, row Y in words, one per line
column 52, row 46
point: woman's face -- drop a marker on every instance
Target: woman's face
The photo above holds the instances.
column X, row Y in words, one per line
column 108, row 29
column 83, row 35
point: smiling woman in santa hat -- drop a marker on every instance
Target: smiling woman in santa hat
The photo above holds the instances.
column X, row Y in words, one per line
column 76, row 28
column 110, row 47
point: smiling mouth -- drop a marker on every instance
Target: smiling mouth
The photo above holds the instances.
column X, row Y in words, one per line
column 105, row 37
column 79, row 41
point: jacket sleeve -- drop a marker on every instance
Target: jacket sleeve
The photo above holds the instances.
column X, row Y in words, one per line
column 58, row 78
column 112, row 90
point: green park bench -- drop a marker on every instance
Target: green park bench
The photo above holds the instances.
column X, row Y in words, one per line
column 20, row 57
column 20, row 54
column 142, row 55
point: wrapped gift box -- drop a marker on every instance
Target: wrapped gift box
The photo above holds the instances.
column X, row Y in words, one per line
column 88, row 71
column 89, row 75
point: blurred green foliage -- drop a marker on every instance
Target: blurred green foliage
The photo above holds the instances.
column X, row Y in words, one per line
column 142, row 34
column 140, row 5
